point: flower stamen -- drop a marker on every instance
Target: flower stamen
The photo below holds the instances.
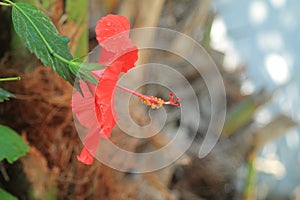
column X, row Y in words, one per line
column 173, row 101
column 152, row 101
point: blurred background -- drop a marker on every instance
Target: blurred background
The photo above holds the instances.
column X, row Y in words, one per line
column 254, row 45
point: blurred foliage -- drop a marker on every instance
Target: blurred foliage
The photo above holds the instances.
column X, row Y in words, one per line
column 6, row 196
column 12, row 146
column 5, row 95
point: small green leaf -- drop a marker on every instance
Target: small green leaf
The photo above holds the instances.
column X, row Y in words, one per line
column 6, row 196
column 41, row 38
column 85, row 73
column 87, row 76
column 82, row 70
column 12, row 146
column 90, row 66
column 4, row 95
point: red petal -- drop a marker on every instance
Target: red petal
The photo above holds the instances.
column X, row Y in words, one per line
column 105, row 89
column 84, row 109
column 113, row 35
column 85, row 157
column 103, row 99
column 118, row 44
column 126, row 54
column 83, row 106
column 111, row 25
column 119, row 54
column 127, row 60
column 92, row 139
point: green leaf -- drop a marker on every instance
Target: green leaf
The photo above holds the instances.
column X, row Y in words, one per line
column 6, row 196
column 12, row 146
column 41, row 38
column 4, row 95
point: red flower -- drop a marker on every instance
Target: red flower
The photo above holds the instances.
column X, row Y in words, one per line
column 94, row 110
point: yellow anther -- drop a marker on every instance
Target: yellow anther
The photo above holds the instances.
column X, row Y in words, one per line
column 152, row 101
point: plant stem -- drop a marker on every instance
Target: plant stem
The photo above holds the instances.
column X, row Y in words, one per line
column 4, row 4
column 249, row 187
column 62, row 59
column 10, row 79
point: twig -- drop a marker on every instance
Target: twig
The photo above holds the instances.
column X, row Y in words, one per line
column 5, row 4
column 250, row 181
column 4, row 172
column 10, row 79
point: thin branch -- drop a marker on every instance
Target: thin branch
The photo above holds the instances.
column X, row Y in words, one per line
column 5, row 4
column 10, row 79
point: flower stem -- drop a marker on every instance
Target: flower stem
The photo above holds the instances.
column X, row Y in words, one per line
column 10, row 79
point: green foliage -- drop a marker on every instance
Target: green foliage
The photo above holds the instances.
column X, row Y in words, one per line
column 12, row 145
column 6, row 196
column 79, row 16
column 41, row 37
column 4, row 95
column 239, row 115
column 77, row 13
column 51, row 193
